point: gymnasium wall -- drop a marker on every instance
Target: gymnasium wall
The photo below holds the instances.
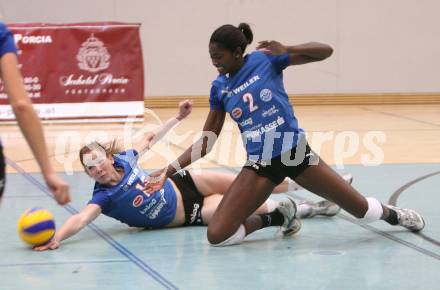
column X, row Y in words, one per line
column 381, row 46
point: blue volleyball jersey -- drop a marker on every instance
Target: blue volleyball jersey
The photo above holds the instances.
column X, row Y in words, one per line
column 127, row 201
column 256, row 100
column 7, row 43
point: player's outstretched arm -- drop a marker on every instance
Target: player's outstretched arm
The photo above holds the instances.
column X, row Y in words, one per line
column 298, row 54
column 145, row 140
column 211, row 131
column 72, row 226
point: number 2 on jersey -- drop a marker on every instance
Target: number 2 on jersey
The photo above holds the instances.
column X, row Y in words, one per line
column 248, row 98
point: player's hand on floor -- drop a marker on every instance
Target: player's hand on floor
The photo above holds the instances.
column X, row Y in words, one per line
column 52, row 245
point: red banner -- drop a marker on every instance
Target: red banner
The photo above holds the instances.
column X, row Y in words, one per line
column 80, row 70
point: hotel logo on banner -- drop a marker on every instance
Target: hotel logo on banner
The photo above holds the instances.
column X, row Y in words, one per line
column 93, row 55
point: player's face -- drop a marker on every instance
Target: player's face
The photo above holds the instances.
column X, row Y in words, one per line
column 99, row 166
column 224, row 60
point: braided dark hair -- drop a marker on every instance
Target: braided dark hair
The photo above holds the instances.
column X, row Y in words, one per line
column 231, row 37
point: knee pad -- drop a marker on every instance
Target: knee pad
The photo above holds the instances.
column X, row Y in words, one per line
column 374, row 211
column 235, row 239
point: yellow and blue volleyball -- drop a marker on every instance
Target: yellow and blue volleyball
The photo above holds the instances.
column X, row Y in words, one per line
column 36, row 226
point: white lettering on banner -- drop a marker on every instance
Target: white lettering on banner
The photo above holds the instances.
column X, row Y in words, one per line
column 242, row 87
column 45, row 111
column 6, row 112
column 81, row 80
column 86, row 109
column 108, row 79
column 93, row 75
column 266, row 128
column 31, row 80
column 32, row 39
column 32, row 86
column 9, row 114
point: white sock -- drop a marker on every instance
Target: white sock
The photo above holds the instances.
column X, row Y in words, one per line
column 293, row 186
column 271, row 205
column 303, row 209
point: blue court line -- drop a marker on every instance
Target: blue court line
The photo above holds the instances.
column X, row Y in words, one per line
column 395, row 196
column 382, row 233
column 63, row 263
column 391, row 237
column 120, row 248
